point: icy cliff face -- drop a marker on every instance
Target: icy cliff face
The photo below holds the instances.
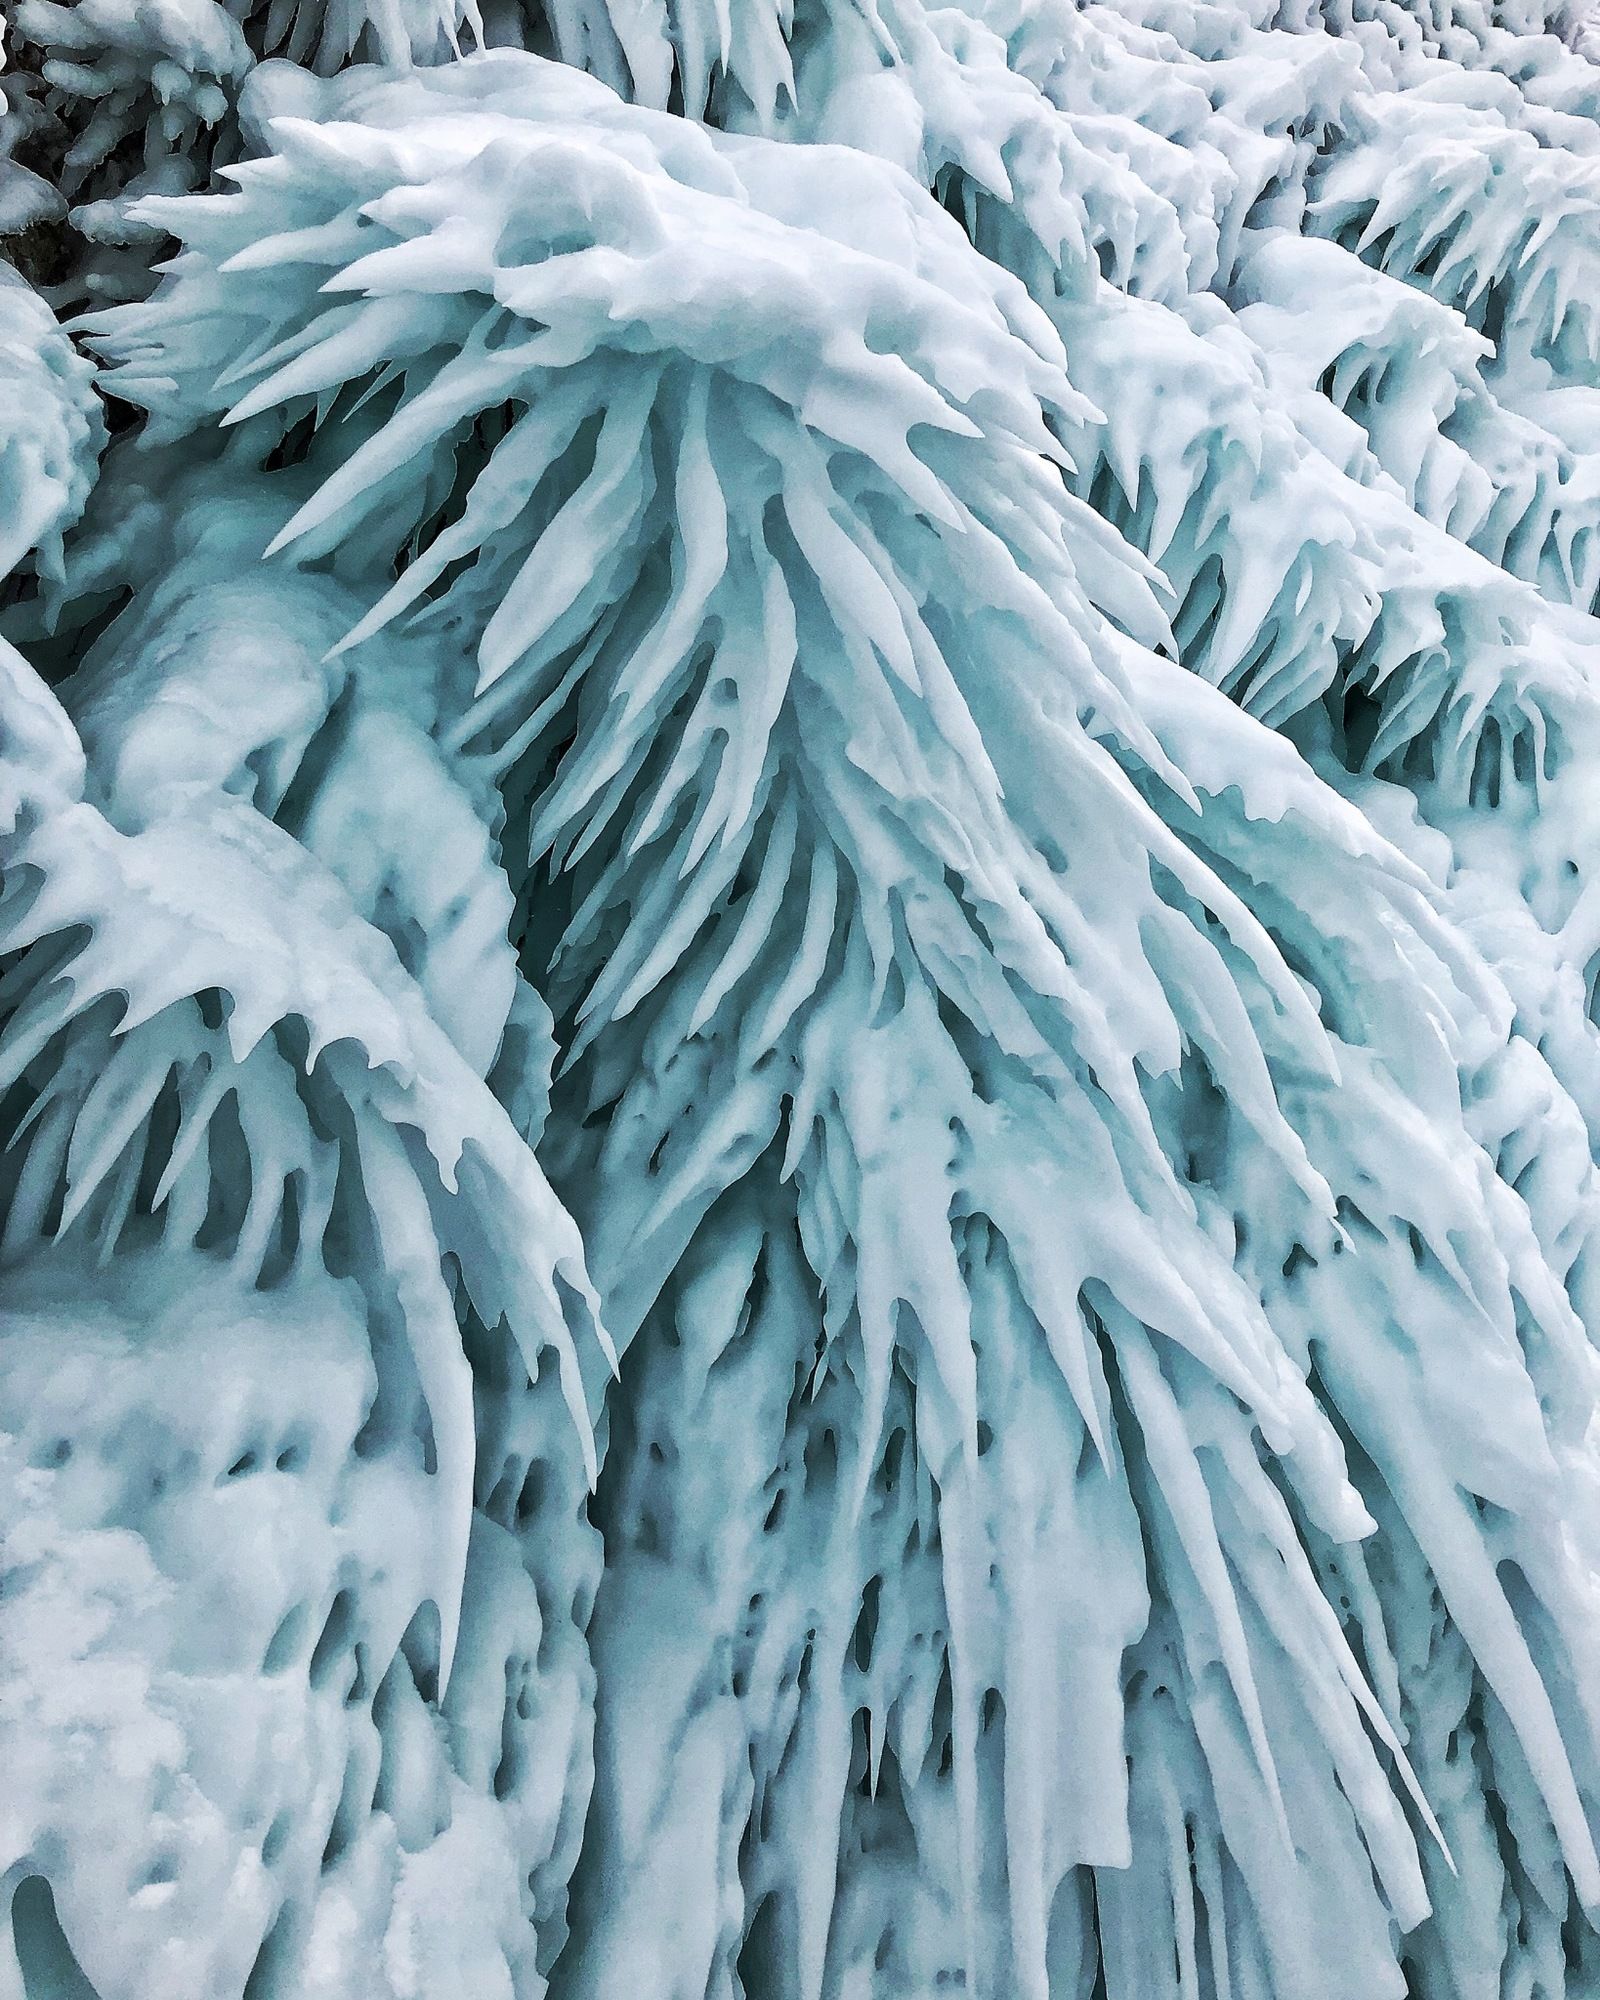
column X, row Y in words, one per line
column 798, row 1077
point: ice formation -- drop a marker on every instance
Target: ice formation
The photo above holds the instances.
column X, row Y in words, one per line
column 798, row 1071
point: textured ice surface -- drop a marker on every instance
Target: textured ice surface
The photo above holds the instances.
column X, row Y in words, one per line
column 798, row 1076
column 51, row 432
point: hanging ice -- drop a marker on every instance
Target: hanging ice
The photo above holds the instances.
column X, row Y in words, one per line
column 799, row 1093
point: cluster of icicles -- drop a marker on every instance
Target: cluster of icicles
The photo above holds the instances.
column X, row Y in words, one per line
column 801, row 899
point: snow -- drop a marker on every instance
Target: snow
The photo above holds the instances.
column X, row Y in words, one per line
column 797, row 1066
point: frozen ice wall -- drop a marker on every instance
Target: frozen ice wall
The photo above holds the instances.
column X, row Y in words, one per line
column 798, row 1073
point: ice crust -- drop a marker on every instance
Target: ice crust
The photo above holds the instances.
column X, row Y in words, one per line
column 797, row 1050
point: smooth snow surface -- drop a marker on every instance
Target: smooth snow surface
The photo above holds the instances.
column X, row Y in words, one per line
column 798, row 1076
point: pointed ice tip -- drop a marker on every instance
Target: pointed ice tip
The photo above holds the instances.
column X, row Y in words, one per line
column 587, row 1312
column 449, row 1637
column 77, row 1199
column 358, row 635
